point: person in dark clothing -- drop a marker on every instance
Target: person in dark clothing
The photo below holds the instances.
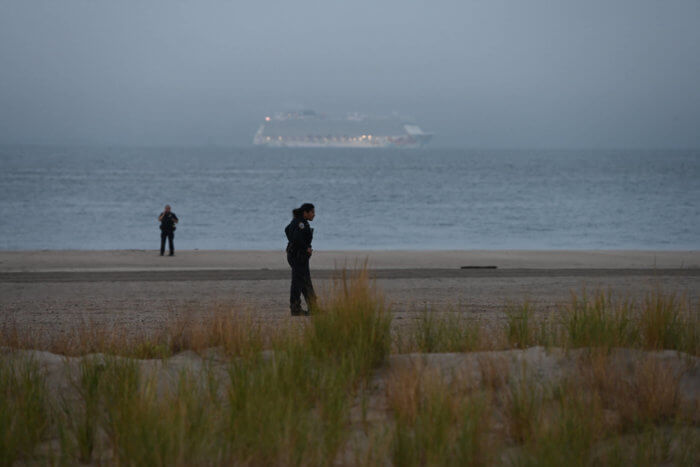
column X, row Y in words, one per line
column 167, row 219
column 299, row 236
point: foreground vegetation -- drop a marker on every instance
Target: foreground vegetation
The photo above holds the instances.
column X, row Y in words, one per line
column 325, row 390
column 660, row 322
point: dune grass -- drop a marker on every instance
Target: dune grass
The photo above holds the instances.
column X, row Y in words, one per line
column 291, row 395
column 440, row 332
column 79, row 422
column 235, row 332
column 288, row 406
column 435, row 425
column 598, row 415
column 24, row 409
column 293, row 407
column 601, row 320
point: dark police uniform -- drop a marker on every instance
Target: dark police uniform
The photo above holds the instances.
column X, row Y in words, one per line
column 167, row 230
column 300, row 236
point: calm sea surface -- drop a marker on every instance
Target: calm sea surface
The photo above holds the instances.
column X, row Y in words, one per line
column 109, row 198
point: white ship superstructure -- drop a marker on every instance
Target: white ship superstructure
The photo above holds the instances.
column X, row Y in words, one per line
column 307, row 129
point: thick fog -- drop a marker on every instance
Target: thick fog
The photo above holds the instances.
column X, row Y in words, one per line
column 507, row 74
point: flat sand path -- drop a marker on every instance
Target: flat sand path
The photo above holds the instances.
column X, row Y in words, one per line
column 52, row 292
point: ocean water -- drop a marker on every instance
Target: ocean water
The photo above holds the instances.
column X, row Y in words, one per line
column 241, row 198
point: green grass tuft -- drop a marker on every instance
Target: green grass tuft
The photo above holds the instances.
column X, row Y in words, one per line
column 599, row 322
column 24, row 410
column 436, row 424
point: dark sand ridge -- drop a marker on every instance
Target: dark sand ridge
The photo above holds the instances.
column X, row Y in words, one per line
column 130, row 260
column 54, row 291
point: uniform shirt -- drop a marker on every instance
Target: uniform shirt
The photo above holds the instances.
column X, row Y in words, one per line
column 299, row 235
column 167, row 224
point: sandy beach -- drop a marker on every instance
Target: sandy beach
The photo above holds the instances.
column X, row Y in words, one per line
column 48, row 295
column 53, row 291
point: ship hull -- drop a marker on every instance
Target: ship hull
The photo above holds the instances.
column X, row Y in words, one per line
column 304, row 131
column 409, row 144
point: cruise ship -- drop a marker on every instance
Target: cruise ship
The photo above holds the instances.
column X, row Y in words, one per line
column 307, row 129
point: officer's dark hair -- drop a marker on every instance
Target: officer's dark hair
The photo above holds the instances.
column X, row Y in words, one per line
column 306, row 207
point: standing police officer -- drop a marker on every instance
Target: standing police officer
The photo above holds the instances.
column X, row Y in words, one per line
column 299, row 250
column 167, row 220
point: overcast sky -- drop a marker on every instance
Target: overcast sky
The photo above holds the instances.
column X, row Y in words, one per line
column 488, row 73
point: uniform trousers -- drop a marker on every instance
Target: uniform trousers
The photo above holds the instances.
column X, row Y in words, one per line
column 301, row 280
column 170, row 236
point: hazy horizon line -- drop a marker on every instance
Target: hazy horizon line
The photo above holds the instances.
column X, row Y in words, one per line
column 199, row 145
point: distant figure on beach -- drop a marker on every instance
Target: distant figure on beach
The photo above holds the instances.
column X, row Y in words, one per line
column 167, row 219
column 299, row 250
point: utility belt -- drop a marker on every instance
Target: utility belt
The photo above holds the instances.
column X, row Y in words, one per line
column 294, row 251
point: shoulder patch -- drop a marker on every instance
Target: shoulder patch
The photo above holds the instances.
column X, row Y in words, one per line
column 301, row 225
